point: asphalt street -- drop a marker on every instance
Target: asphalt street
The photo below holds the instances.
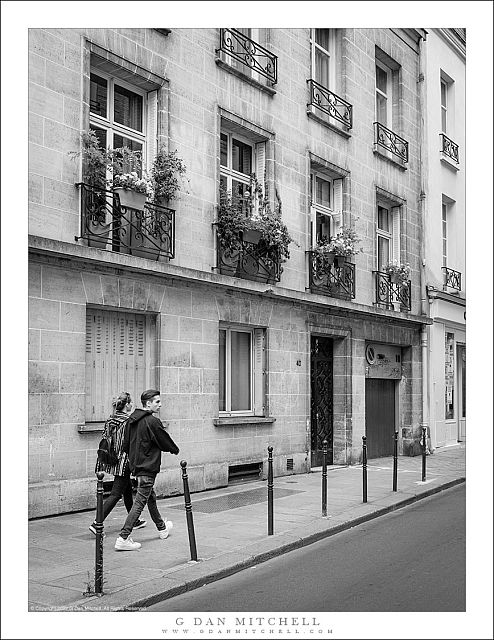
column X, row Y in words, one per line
column 407, row 561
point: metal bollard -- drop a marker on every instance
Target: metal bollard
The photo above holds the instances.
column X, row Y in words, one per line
column 364, row 468
column 98, row 568
column 325, row 478
column 188, row 512
column 270, row 492
column 395, row 462
column 424, row 447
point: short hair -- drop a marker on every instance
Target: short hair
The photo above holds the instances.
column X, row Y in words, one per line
column 149, row 395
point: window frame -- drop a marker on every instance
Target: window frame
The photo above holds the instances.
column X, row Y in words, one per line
column 444, row 106
column 227, row 171
column 318, row 209
column 392, row 235
column 444, row 232
column 329, row 53
column 388, row 96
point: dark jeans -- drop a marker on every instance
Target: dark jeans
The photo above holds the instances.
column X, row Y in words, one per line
column 145, row 495
column 122, row 486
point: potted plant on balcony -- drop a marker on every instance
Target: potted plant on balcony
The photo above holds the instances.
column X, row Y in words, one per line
column 342, row 245
column 398, row 272
column 132, row 189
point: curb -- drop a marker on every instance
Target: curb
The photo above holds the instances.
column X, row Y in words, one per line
column 283, row 548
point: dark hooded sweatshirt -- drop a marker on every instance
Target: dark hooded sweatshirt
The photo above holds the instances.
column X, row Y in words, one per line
column 145, row 439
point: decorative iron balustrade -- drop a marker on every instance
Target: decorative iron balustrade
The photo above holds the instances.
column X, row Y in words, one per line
column 331, row 280
column 330, row 103
column 106, row 224
column 450, row 148
column 393, row 293
column 390, row 141
column 452, row 278
column 249, row 262
column 249, row 53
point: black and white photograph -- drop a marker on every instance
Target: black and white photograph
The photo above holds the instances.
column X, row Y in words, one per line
column 234, row 292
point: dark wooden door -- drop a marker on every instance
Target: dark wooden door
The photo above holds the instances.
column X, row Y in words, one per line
column 379, row 416
column 321, row 399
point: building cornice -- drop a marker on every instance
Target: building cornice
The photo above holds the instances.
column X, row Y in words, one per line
column 437, row 294
column 89, row 257
column 452, row 38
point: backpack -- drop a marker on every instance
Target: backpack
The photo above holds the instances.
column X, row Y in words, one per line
column 106, row 452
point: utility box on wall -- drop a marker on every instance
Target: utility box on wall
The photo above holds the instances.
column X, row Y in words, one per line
column 382, row 361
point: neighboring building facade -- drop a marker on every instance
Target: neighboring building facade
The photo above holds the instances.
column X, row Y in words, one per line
column 333, row 119
column 444, row 232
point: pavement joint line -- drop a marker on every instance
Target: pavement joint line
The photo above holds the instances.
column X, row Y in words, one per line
column 285, row 548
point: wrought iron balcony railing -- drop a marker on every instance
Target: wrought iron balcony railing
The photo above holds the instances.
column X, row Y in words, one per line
column 452, row 278
column 248, row 262
column 331, row 280
column 393, row 294
column 329, row 103
column 249, row 54
column 106, row 224
column 390, row 141
column 450, row 148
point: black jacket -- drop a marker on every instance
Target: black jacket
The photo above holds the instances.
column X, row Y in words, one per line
column 145, row 439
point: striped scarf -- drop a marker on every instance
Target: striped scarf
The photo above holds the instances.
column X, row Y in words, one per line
column 115, row 429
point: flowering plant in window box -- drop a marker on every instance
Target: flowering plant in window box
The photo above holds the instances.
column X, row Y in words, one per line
column 398, row 272
column 339, row 247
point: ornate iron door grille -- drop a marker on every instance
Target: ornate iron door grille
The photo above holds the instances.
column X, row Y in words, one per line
column 388, row 292
column 106, row 224
column 450, row 148
column 330, row 103
column 390, row 141
column 452, row 278
column 250, row 53
column 321, row 398
column 330, row 280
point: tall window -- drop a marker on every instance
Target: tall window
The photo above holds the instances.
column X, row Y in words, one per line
column 241, row 368
column 383, row 94
column 445, row 233
column 444, row 105
column 388, row 234
column 323, row 56
column 326, row 206
column 119, row 357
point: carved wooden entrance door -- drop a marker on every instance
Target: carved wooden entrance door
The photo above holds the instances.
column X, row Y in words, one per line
column 321, row 398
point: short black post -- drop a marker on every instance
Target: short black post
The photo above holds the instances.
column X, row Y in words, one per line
column 98, row 569
column 395, row 462
column 325, row 478
column 188, row 512
column 364, row 468
column 270, row 492
column 424, row 447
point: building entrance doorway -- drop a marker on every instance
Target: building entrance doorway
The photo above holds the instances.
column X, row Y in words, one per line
column 379, row 416
column 321, row 377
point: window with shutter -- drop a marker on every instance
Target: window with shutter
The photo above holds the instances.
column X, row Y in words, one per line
column 326, row 206
column 119, row 351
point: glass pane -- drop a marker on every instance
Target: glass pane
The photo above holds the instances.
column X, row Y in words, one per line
column 241, row 157
column 381, row 109
column 449, row 376
column 443, row 94
column 323, row 191
column 222, row 397
column 382, row 252
column 323, row 227
column 322, row 68
column 127, row 108
column 121, row 141
column 224, row 150
column 382, row 80
column 239, row 192
column 443, row 120
column 240, row 371
column 98, row 96
column 383, row 218
column 322, row 38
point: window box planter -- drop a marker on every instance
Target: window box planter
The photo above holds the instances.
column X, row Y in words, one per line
column 130, row 198
column 251, row 235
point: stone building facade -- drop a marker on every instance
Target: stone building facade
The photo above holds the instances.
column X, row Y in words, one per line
column 334, row 120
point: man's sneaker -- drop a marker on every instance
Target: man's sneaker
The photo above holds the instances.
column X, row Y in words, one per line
column 139, row 524
column 92, row 528
column 166, row 532
column 126, row 545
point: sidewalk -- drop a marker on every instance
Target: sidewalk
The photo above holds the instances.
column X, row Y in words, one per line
column 230, row 528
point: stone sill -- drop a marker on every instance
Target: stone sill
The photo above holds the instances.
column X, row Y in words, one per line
column 382, row 154
column 240, row 420
column 449, row 163
column 236, row 72
column 91, row 427
column 328, row 125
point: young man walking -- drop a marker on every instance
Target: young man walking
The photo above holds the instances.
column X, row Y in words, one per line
column 145, row 439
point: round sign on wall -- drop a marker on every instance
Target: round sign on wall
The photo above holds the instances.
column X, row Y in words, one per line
column 370, row 355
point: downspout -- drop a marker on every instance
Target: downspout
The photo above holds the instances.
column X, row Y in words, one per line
column 423, row 159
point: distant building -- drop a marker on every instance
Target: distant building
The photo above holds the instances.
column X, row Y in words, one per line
column 444, row 233
column 246, row 350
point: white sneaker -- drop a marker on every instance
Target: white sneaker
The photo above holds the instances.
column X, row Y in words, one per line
column 126, row 545
column 166, row 532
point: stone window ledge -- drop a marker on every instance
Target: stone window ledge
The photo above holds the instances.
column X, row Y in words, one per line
column 240, row 420
column 236, row 72
column 451, row 164
column 328, row 125
column 91, row 427
column 382, row 154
